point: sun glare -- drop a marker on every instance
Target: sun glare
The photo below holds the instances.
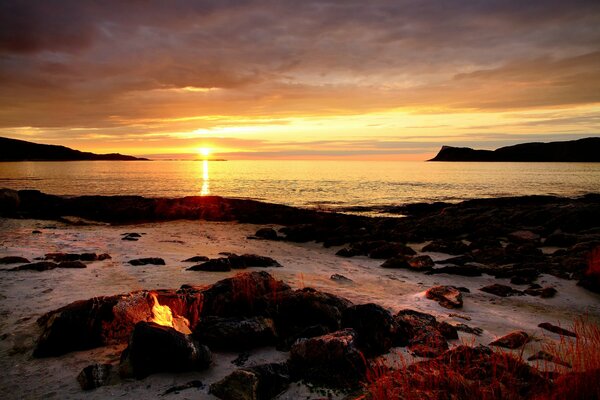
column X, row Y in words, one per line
column 204, row 151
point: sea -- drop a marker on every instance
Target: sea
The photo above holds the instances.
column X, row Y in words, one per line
column 328, row 185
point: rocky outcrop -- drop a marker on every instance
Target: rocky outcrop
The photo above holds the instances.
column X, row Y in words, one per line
column 261, row 382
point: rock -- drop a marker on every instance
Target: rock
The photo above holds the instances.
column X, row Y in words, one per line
column 559, row 239
column 36, row 232
column 196, row 259
column 60, row 257
column 446, row 296
column 248, row 294
column 13, row 260
column 37, row 266
column 396, row 263
column 459, row 260
column 453, row 247
column 556, row 329
column 9, row 201
column 448, row 331
column 513, row 340
column 266, row 233
column 94, row 376
column 253, row 260
column 332, row 359
column 374, row 325
column 295, row 311
column 544, row 293
column 462, row 270
column 544, row 356
column 235, row 333
column 156, row 348
column 147, row 261
column 347, row 252
column 72, row 264
column 104, row 256
column 467, row 329
column 214, row 265
column 428, row 344
column 422, row 333
column 132, row 235
column 501, row 290
column 262, row 382
column 191, row 384
column 523, row 236
column 421, row 263
column 285, row 344
column 389, row 250
column 340, row 278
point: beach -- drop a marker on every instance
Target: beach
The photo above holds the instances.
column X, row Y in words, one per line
column 27, row 295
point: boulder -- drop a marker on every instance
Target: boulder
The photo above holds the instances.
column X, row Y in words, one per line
column 513, row 340
column 347, row 252
column 147, row 261
column 155, row 348
column 544, row 293
column 37, row 266
column 71, row 264
column 60, row 257
column 389, row 250
column 468, row 329
column 446, row 296
column 261, row 382
column 374, row 325
column 233, row 261
column 214, row 265
column 428, row 344
column 295, row 311
column 9, row 201
column 235, row 333
column 196, row 259
column 266, row 233
column 13, row 260
column 423, row 334
column 94, row 376
column 333, row 360
column 396, row 263
column 501, row 290
column 453, row 247
column 421, row 263
column 557, row 329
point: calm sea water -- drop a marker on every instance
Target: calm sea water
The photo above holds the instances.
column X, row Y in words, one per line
column 329, row 184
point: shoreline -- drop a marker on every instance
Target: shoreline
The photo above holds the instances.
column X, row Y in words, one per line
column 305, row 243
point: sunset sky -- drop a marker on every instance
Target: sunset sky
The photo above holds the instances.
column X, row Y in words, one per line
column 298, row 79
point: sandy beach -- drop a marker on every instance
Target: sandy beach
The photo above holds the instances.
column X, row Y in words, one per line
column 26, row 295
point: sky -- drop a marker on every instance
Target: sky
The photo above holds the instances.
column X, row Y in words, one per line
column 287, row 79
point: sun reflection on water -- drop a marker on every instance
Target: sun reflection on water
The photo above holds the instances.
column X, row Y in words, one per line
column 205, row 191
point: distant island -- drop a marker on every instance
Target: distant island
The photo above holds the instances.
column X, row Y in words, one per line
column 581, row 150
column 21, row 150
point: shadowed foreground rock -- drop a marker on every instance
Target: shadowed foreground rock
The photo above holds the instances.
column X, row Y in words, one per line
column 235, row 333
column 333, row 359
column 94, row 376
column 375, row 327
column 156, row 348
column 512, row 341
column 262, row 382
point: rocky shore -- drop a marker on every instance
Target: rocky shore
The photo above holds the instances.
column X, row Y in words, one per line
column 467, row 291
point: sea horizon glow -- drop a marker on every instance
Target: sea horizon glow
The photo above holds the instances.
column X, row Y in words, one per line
column 286, row 80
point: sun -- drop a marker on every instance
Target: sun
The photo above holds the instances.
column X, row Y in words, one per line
column 204, row 151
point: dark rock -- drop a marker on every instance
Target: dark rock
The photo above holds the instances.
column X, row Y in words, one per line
column 37, row 266
column 196, row 259
column 468, row 329
column 262, row 382
column 389, row 250
column 544, row 293
column 446, row 296
column 421, row 263
column 13, row 260
column 147, row 261
column 309, row 332
column 462, row 270
column 241, row 359
column 557, row 329
column 430, row 343
column 447, row 330
column 60, row 257
column 544, row 356
column 332, row 359
column 340, row 278
column 235, row 333
column 71, row 264
column 396, row 263
column 104, row 256
column 94, row 376
column 347, row 252
column 459, row 260
column 422, row 333
column 294, row 311
column 374, row 325
column 156, row 348
column 513, row 340
column 36, row 232
column 248, row 294
column 9, row 201
column 130, row 238
column 501, row 290
column 214, row 265
column 131, row 235
column 523, row 236
column 560, row 239
column 253, row 260
column 453, row 247
column 191, row 384
column 266, row 233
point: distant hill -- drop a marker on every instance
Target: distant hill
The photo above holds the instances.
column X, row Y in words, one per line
column 581, row 150
column 21, row 150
